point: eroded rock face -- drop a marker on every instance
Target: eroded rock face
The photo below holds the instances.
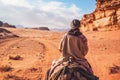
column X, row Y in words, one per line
column 105, row 17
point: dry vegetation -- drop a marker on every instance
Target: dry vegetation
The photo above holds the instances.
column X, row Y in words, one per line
column 115, row 69
column 5, row 68
column 13, row 77
column 17, row 57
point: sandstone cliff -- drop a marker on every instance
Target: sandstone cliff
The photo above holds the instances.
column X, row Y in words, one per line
column 105, row 17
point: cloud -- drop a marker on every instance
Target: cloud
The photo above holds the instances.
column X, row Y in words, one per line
column 52, row 14
column 20, row 3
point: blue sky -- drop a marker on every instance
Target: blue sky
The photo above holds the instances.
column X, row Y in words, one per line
column 87, row 6
column 49, row 13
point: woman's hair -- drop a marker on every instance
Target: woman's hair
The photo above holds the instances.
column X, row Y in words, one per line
column 75, row 23
column 74, row 32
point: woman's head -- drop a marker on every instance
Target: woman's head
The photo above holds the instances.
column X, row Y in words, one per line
column 75, row 24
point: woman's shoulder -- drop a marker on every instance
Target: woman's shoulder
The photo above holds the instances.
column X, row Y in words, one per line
column 83, row 37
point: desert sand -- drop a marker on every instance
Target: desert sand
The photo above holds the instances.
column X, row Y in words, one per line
column 28, row 56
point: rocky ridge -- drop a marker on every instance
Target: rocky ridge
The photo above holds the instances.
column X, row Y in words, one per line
column 6, row 25
column 105, row 17
column 4, row 33
column 42, row 28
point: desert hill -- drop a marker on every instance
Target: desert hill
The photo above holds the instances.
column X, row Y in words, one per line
column 28, row 56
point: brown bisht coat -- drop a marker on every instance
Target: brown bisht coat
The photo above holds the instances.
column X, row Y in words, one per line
column 75, row 46
column 73, row 50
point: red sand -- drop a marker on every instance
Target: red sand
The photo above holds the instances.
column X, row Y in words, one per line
column 39, row 48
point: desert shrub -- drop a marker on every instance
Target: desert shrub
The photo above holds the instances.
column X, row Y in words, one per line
column 13, row 77
column 33, row 69
column 17, row 57
column 114, row 69
column 95, row 29
column 5, row 68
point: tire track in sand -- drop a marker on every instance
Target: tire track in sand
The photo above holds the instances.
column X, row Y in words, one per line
column 7, row 44
column 51, row 53
column 28, row 48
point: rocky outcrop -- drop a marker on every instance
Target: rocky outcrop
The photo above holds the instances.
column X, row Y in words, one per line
column 105, row 17
column 8, row 25
column 42, row 28
column 1, row 23
column 4, row 33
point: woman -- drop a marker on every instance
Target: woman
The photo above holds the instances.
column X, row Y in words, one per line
column 72, row 64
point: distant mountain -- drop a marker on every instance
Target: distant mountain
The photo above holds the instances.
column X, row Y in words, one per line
column 20, row 26
column 42, row 28
column 61, row 30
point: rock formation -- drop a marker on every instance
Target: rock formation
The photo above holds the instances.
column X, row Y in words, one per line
column 42, row 28
column 4, row 33
column 105, row 17
column 8, row 25
column 1, row 23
